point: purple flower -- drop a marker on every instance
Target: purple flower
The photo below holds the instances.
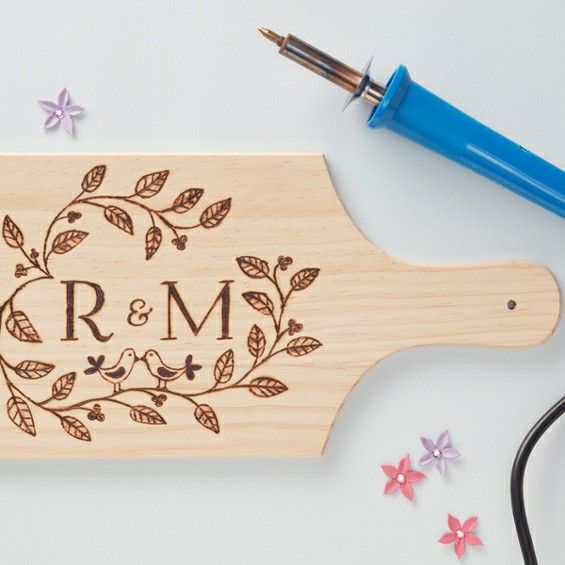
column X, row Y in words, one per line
column 61, row 111
column 438, row 452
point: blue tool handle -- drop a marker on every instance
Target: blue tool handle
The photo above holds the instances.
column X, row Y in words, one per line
column 416, row 113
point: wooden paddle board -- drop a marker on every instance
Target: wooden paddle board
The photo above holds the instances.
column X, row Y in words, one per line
column 213, row 305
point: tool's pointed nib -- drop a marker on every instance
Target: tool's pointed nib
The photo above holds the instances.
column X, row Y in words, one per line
column 271, row 36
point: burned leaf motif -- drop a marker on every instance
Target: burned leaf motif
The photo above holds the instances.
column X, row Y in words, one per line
column 146, row 415
column 33, row 369
column 20, row 414
column 63, row 386
column 253, row 267
column 266, row 387
column 153, row 239
column 187, row 200
column 256, row 341
column 302, row 346
column 206, row 417
column 304, row 278
column 75, row 428
column 223, row 370
column 21, row 328
column 260, row 302
column 215, row 213
column 13, row 235
column 119, row 218
column 151, row 184
column 67, row 240
column 93, row 179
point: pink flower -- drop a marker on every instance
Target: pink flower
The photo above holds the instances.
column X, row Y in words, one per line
column 61, row 111
column 461, row 535
column 401, row 478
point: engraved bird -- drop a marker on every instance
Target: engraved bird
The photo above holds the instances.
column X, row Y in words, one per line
column 165, row 373
column 116, row 374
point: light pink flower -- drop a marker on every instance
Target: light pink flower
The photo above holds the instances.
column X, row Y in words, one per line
column 460, row 535
column 401, row 478
column 61, row 111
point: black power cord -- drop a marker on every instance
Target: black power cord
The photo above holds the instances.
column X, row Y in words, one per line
column 517, row 479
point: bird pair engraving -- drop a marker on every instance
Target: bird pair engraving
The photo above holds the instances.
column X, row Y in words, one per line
column 116, row 374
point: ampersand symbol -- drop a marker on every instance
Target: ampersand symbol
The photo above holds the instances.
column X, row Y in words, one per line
column 138, row 316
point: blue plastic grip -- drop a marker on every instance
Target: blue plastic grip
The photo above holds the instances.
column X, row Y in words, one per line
column 416, row 113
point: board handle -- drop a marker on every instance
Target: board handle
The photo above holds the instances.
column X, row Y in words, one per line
column 499, row 305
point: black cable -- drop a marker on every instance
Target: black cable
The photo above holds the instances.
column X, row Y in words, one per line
column 517, row 479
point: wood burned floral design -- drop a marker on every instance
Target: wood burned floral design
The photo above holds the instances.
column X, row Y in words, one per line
column 226, row 375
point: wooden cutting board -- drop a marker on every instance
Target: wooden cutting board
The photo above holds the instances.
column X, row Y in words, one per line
column 213, row 305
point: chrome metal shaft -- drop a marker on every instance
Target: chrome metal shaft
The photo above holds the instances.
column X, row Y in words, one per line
column 358, row 83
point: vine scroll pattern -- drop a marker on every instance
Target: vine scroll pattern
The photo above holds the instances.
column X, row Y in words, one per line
column 21, row 405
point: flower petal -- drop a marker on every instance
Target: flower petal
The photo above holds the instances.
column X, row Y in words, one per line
column 447, row 538
column 74, row 110
column 440, row 465
column 460, row 548
column 443, row 439
column 414, row 476
column 470, row 524
column 67, row 122
column 453, row 523
column 391, row 486
column 450, row 453
column 428, row 444
column 63, row 97
column 48, row 106
column 472, row 539
column 404, row 464
column 426, row 459
column 407, row 490
column 51, row 121
column 390, row 471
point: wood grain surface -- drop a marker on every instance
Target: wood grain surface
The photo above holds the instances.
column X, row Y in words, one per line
column 213, row 305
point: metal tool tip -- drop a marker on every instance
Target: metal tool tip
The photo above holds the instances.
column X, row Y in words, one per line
column 271, row 36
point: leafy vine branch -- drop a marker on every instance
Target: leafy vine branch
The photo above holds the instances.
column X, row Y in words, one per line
column 146, row 187
column 21, row 405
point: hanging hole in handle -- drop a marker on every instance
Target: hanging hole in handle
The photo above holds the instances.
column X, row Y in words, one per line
column 511, row 304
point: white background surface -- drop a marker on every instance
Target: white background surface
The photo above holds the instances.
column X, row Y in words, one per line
column 196, row 76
